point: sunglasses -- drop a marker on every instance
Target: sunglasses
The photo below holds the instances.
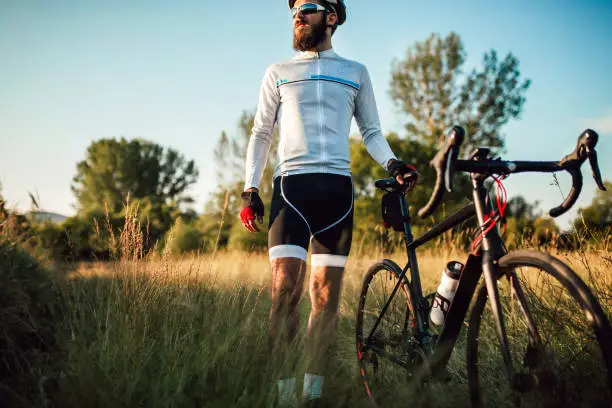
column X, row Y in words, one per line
column 307, row 8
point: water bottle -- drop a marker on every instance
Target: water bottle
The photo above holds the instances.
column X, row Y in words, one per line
column 445, row 292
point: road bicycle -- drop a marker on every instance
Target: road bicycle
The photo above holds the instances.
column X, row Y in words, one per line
column 536, row 334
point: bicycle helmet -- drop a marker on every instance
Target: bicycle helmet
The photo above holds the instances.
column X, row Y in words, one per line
column 337, row 5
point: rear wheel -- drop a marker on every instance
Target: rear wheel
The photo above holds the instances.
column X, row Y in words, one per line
column 388, row 357
column 559, row 338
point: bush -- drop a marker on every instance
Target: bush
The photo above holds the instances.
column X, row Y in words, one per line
column 184, row 238
column 30, row 308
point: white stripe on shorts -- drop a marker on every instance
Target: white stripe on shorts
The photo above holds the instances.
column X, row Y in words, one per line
column 288, row 251
column 343, row 217
column 328, row 260
column 294, row 207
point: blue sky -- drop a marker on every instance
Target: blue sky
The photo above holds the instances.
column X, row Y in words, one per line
column 180, row 72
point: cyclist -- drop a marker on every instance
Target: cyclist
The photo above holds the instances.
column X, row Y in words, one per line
column 312, row 98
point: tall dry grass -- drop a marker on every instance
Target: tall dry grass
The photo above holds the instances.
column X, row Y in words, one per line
column 161, row 331
column 191, row 331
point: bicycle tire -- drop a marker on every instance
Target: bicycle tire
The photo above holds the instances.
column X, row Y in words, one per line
column 386, row 339
column 544, row 366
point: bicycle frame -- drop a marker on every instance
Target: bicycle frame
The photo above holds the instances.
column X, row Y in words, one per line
column 475, row 266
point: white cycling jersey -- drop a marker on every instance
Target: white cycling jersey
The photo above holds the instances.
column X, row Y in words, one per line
column 312, row 98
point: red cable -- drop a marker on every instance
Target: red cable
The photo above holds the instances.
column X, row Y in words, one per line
column 492, row 218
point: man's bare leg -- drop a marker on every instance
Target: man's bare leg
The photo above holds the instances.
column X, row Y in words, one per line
column 284, row 319
column 324, row 288
column 287, row 287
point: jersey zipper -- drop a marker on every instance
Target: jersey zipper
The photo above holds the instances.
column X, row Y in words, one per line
column 321, row 115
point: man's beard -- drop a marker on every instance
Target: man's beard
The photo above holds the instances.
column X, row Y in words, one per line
column 309, row 36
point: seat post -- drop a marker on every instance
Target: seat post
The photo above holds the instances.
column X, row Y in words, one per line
column 408, row 237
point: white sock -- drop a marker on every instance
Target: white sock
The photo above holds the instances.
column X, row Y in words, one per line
column 286, row 390
column 313, row 386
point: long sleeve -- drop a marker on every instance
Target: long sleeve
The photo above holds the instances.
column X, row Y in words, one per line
column 261, row 135
column 366, row 115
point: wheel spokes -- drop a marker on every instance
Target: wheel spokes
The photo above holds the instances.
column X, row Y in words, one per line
column 555, row 353
column 386, row 355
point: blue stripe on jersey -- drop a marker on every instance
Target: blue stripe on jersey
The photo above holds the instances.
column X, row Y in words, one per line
column 331, row 78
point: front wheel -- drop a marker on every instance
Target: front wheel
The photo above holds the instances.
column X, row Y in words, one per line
column 387, row 355
column 559, row 339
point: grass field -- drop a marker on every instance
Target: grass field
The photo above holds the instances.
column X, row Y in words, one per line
column 191, row 332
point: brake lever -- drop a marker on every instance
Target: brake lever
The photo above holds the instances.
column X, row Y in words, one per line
column 592, row 155
column 449, row 172
column 585, row 148
column 455, row 139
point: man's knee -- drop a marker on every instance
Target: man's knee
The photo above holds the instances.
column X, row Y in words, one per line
column 287, row 281
column 325, row 284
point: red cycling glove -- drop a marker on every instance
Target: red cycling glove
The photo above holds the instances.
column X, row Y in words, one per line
column 252, row 207
column 399, row 168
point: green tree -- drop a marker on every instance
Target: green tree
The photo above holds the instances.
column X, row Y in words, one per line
column 115, row 169
column 598, row 215
column 431, row 88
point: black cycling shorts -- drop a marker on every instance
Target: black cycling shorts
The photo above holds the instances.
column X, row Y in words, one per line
column 312, row 207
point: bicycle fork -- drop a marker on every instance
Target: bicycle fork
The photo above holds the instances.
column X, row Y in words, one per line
column 493, row 249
